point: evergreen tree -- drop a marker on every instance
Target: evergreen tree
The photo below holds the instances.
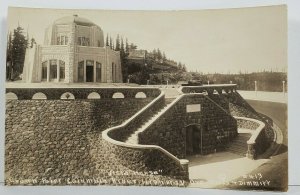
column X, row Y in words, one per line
column 122, row 49
column 179, row 66
column 19, row 45
column 159, row 55
column 127, row 47
column 133, row 46
column 111, row 43
column 118, row 46
column 107, row 42
column 154, row 52
column 32, row 42
column 164, row 56
column 184, row 68
column 9, row 57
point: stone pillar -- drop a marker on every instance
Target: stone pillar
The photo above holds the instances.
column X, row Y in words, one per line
column 58, row 72
column 84, row 71
column 210, row 91
column 251, row 151
column 48, row 70
column 95, row 80
column 113, row 72
column 185, row 168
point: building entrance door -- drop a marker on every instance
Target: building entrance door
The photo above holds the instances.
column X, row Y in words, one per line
column 193, row 140
column 89, row 73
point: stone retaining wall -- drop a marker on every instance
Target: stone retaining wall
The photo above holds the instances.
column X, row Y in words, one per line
column 258, row 142
column 246, row 124
column 145, row 158
column 61, row 139
column 241, row 108
column 149, row 160
column 169, row 130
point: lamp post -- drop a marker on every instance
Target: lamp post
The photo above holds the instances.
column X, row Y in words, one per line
column 283, row 87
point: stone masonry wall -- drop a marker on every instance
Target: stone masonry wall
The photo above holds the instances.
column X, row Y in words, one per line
column 169, row 131
column 239, row 107
column 246, row 124
column 61, row 139
column 148, row 160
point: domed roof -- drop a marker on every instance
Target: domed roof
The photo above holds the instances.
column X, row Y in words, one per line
column 74, row 19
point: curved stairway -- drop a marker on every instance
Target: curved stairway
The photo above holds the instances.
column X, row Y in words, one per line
column 239, row 144
column 133, row 138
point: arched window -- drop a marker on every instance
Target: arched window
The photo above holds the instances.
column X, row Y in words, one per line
column 62, row 40
column 11, row 96
column 44, row 70
column 80, row 71
column 140, row 95
column 93, row 95
column 98, row 71
column 39, row 96
column 67, row 96
column 83, row 41
column 61, row 70
column 118, row 95
column 53, row 69
column 89, row 71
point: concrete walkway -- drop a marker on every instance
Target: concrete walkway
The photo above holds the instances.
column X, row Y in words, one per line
column 279, row 97
column 216, row 169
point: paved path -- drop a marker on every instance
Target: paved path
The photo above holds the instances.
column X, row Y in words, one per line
column 216, row 169
column 265, row 96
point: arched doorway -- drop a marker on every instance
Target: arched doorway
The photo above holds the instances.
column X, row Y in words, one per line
column 193, row 139
column 89, row 71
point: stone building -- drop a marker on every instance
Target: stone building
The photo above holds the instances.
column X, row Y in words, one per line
column 73, row 51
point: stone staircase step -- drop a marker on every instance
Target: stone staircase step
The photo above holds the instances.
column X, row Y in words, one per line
column 133, row 138
column 239, row 144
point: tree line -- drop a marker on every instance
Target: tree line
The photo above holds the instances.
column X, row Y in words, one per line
column 140, row 72
column 17, row 42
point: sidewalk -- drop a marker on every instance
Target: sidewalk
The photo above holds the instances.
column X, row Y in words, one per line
column 217, row 169
column 278, row 97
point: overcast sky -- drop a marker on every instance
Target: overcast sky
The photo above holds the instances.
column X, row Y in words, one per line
column 225, row 40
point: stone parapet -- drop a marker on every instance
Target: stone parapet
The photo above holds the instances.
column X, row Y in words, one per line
column 210, row 89
column 258, row 142
column 147, row 158
column 82, row 93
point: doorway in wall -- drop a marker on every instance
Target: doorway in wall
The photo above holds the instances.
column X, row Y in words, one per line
column 193, row 140
column 89, row 73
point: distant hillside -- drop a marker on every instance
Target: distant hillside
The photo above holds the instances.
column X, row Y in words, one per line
column 265, row 81
column 141, row 65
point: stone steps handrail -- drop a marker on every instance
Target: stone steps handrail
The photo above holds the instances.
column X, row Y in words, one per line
column 105, row 135
column 219, row 106
column 253, row 139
